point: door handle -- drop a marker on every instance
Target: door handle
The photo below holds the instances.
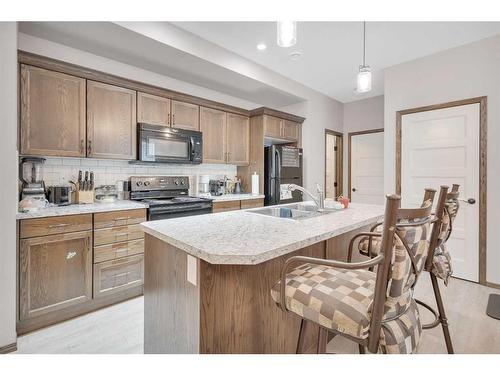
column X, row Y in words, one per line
column 469, row 201
column 353, row 189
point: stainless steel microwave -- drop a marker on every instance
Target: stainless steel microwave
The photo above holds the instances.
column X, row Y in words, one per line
column 163, row 144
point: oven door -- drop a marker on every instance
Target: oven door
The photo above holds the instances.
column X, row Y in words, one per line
column 165, row 145
column 181, row 210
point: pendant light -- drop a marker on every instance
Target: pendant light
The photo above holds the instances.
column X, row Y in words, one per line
column 286, row 33
column 365, row 74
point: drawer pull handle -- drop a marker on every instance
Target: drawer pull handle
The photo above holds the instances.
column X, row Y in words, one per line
column 122, row 274
column 120, row 250
column 59, row 225
column 123, row 218
column 121, row 234
column 70, row 254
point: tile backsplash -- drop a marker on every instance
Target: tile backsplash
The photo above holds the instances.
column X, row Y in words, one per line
column 61, row 170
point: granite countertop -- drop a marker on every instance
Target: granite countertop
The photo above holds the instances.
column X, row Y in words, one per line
column 244, row 237
column 235, row 197
column 75, row 209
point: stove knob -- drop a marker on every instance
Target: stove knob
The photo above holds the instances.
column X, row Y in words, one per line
column 176, row 182
column 183, row 182
column 138, row 183
column 147, row 183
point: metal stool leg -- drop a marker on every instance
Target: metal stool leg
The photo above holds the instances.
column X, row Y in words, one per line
column 361, row 349
column 442, row 314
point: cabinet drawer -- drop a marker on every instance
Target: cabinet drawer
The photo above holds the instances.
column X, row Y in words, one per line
column 119, row 218
column 225, row 206
column 55, row 225
column 118, row 250
column 252, row 203
column 117, row 275
column 117, row 234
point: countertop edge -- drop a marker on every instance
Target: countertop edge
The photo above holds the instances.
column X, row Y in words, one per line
column 235, row 197
column 253, row 260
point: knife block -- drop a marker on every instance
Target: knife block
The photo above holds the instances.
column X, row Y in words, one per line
column 84, row 196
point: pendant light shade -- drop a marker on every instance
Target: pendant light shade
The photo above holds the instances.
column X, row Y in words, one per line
column 364, row 81
column 286, row 33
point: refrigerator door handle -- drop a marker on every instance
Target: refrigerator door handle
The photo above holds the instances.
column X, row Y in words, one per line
column 278, row 162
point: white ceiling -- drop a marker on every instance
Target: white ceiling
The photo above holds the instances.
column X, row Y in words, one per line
column 332, row 51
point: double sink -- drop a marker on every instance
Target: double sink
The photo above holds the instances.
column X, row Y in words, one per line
column 295, row 211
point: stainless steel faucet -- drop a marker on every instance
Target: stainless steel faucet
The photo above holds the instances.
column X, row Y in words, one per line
column 319, row 200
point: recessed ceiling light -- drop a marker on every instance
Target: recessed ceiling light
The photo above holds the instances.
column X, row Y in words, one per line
column 261, row 46
column 295, row 55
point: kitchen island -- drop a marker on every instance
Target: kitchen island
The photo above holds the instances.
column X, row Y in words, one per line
column 208, row 278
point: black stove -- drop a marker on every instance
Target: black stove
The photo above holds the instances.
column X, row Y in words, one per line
column 167, row 197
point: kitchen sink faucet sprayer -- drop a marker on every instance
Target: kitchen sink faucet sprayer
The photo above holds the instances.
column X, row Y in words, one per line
column 319, row 200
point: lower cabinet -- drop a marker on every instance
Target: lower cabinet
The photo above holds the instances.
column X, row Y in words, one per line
column 75, row 271
column 116, row 275
column 55, row 273
column 225, row 206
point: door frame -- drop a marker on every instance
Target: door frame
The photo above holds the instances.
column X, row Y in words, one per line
column 349, row 160
column 482, row 101
column 339, row 162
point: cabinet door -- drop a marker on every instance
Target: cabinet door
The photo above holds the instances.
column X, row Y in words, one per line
column 119, row 274
column 111, row 121
column 213, row 127
column 55, row 272
column 272, row 127
column 52, row 113
column 152, row 109
column 238, row 139
column 225, row 206
column 185, row 115
column 291, row 130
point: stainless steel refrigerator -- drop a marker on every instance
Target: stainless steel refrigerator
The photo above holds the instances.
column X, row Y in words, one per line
column 282, row 165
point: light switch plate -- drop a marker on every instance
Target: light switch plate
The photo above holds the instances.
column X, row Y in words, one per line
column 192, row 269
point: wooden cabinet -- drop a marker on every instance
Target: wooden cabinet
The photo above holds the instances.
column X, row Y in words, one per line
column 117, row 275
column 152, row 109
column 111, row 121
column 117, row 234
column 291, row 130
column 238, row 139
column 52, row 113
column 54, row 225
column 55, row 273
column 185, row 115
column 119, row 218
column 225, row 206
column 252, row 203
column 272, row 126
column 118, row 250
column 213, row 127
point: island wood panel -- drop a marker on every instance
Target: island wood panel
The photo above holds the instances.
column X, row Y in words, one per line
column 185, row 115
column 52, row 113
column 238, row 314
column 54, row 225
column 152, row 109
column 252, row 203
column 256, row 153
column 337, row 247
column 213, row 127
column 55, row 272
column 238, row 139
column 171, row 303
column 111, row 121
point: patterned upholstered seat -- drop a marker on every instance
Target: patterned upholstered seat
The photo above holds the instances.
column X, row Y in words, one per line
column 334, row 298
column 340, row 300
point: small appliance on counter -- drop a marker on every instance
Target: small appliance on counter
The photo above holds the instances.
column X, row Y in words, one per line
column 31, row 174
column 106, row 194
column 237, row 187
column 217, row 187
column 167, row 197
column 59, row 195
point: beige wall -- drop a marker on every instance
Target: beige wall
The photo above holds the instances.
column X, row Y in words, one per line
column 365, row 114
column 8, row 168
column 459, row 73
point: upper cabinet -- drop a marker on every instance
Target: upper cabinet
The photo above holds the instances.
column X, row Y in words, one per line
column 185, row 115
column 152, row 109
column 278, row 128
column 213, row 127
column 272, row 126
column 52, row 113
column 111, row 121
column 238, row 139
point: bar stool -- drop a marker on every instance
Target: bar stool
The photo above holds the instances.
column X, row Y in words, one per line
column 375, row 309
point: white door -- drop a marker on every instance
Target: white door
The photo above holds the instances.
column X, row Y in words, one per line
column 367, row 168
column 441, row 147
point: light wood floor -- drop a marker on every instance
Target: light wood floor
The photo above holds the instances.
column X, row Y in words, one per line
column 119, row 329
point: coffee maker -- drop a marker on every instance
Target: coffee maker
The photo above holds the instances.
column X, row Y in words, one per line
column 31, row 174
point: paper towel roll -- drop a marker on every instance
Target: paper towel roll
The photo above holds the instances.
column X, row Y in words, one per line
column 255, row 184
